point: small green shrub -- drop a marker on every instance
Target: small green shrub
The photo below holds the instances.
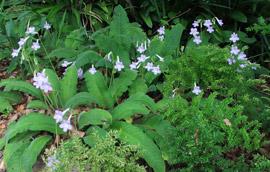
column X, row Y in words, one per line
column 210, row 132
column 207, row 66
column 108, row 154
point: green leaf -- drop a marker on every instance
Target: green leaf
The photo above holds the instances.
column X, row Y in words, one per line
column 134, row 135
column 172, row 39
column 129, row 108
column 97, row 88
column 69, row 84
column 239, row 16
column 83, row 98
column 18, row 85
column 53, row 79
column 33, row 122
column 120, row 21
column 75, row 38
column 37, row 104
column 144, row 99
column 31, row 153
column 147, row 20
column 13, row 98
column 55, row 83
column 121, row 84
column 63, row 53
column 90, row 138
column 138, row 86
column 5, row 106
column 87, row 57
column 94, row 117
column 12, row 155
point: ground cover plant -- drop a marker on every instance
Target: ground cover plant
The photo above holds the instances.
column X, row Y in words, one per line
column 96, row 86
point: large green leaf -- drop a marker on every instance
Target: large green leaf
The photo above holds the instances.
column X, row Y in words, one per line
column 83, row 98
column 138, row 86
column 91, row 134
column 31, row 153
column 121, row 84
column 37, row 104
column 129, row 108
column 13, row 98
column 18, row 85
column 69, row 84
column 5, row 106
column 87, row 57
column 134, row 135
column 63, row 53
column 94, row 117
column 33, row 122
column 12, row 155
column 144, row 99
column 97, row 87
column 120, row 22
column 172, row 39
column 55, row 83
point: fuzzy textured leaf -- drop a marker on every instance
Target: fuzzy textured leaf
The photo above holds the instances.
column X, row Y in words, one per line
column 18, row 85
column 31, row 153
column 13, row 98
column 87, row 57
column 83, row 98
column 33, row 122
column 69, row 84
column 121, row 84
column 94, row 117
column 37, row 104
column 97, row 88
column 134, row 135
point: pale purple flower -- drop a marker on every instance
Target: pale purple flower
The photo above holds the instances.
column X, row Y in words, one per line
column 41, row 81
column 207, row 23
column 161, row 30
column 133, row 65
column 234, row 50
column 142, row 48
column 92, row 70
column 197, row 40
column 80, row 73
column 31, row 30
column 47, row 26
column 160, row 58
column 15, row 52
column 194, row 31
column 231, row 61
column 196, row 23
column 52, row 162
column 196, row 90
column 219, row 21
column 156, row 70
column 234, row 37
column 22, row 41
column 35, row 46
column 118, row 65
column 142, row 58
column 210, row 29
column 66, row 125
column 242, row 56
column 59, row 115
column 242, row 65
column 66, row 63
column 149, row 66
